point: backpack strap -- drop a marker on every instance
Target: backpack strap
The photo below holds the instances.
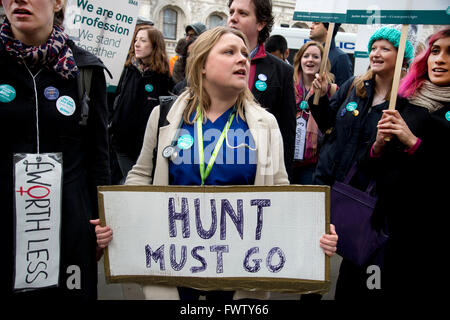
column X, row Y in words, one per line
column 165, row 103
column 84, row 87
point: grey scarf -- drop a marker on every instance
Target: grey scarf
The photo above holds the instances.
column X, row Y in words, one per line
column 431, row 96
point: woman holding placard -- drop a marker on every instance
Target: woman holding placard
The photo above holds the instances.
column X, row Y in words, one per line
column 306, row 64
column 49, row 198
column 219, row 103
column 349, row 120
column 145, row 78
column 409, row 169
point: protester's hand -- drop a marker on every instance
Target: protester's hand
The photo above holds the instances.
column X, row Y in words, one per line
column 392, row 123
column 104, row 234
column 328, row 242
column 320, row 83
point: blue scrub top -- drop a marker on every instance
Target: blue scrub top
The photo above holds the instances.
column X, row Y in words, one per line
column 232, row 166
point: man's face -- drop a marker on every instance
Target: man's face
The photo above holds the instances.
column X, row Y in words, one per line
column 318, row 32
column 189, row 34
column 242, row 17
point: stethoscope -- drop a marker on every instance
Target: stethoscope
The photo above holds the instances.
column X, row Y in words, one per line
column 169, row 151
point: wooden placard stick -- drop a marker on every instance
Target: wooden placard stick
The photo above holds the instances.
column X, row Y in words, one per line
column 398, row 70
column 398, row 67
column 323, row 65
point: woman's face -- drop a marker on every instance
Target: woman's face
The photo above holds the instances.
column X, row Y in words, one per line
column 310, row 61
column 439, row 62
column 382, row 57
column 227, row 65
column 31, row 17
column 142, row 45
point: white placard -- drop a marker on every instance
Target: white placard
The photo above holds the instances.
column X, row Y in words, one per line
column 104, row 28
column 37, row 183
column 260, row 233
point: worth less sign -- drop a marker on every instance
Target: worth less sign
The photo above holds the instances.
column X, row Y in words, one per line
column 374, row 12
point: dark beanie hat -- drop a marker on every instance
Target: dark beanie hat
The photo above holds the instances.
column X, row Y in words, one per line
column 198, row 27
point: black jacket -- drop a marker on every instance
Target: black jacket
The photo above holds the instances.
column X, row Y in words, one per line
column 278, row 99
column 85, row 164
column 133, row 106
column 351, row 136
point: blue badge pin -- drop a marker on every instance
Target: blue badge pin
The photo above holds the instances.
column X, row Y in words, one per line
column 447, row 116
column 149, row 87
column 185, row 141
column 260, row 85
column 7, row 93
column 343, row 112
column 262, row 77
column 51, row 93
column 351, row 106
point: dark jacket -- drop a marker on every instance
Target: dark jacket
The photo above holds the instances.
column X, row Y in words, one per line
column 278, row 99
column 341, row 65
column 85, row 164
column 133, row 106
column 350, row 136
column 412, row 199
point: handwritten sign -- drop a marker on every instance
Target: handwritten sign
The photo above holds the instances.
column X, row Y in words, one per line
column 374, row 11
column 37, row 183
column 104, row 28
column 237, row 237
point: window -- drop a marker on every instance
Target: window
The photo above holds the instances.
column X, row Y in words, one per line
column 216, row 20
column 170, row 24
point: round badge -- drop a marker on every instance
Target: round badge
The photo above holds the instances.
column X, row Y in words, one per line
column 355, row 113
column 185, row 142
column 260, row 85
column 7, row 93
column 343, row 112
column 168, row 151
column 351, row 106
column 51, row 93
column 303, row 105
column 149, row 87
column 447, row 116
column 262, row 77
column 65, row 105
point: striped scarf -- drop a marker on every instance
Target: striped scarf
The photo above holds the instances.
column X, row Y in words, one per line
column 54, row 54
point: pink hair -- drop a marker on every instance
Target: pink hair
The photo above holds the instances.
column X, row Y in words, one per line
column 418, row 72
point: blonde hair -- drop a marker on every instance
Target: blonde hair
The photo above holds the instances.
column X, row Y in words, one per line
column 198, row 54
column 298, row 60
column 58, row 17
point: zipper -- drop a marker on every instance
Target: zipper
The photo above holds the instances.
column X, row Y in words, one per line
column 36, row 103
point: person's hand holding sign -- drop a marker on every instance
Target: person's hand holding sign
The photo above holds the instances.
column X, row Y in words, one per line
column 328, row 242
column 104, row 234
column 321, row 83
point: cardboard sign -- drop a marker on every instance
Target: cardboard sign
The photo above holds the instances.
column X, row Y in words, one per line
column 37, row 183
column 104, row 28
column 374, row 11
column 212, row 238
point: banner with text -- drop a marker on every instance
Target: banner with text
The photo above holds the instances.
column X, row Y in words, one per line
column 374, row 11
column 235, row 237
column 104, row 28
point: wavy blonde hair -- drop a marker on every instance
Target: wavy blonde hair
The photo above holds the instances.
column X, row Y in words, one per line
column 198, row 54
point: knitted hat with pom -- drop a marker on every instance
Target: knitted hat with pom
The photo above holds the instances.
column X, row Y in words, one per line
column 393, row 36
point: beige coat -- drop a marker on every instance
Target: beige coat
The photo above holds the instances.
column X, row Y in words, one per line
column 270, row 169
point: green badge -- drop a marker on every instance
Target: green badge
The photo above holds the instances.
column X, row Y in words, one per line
column 303, row 105
column 185, row 142
column 149, row 87
column 351, row 106
column 7, row 93
column 447, row 116
column 261, row 85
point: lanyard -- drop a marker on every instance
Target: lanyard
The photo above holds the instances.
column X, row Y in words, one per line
column 204, row 174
